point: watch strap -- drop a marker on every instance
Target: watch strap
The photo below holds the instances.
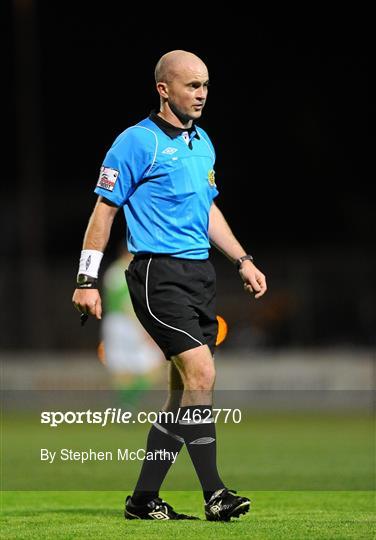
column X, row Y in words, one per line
column 86, row 282
column 242, row 259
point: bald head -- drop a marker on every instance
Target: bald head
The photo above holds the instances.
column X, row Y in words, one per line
column 182, row 83
column 173, row 62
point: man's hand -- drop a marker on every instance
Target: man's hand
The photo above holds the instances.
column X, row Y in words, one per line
column 88, row 301
column 254, row 280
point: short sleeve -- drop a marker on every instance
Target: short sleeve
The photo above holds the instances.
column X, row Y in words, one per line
column 125, row 165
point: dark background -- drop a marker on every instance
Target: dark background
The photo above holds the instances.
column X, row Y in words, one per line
column 288, row 112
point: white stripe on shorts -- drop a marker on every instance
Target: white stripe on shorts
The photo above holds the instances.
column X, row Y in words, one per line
column 156, row 318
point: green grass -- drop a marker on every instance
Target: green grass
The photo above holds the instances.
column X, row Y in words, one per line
column 309, row 475
column 288, row 452
column 288, row 515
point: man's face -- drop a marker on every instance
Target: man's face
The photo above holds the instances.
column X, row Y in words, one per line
column 187, row 92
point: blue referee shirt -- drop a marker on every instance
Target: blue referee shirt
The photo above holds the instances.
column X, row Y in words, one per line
column 163, row 176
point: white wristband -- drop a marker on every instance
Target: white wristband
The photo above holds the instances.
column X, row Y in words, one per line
column 90, row 262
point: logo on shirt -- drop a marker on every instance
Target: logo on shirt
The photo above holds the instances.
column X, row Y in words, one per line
column 211, row 177
column 107, row 178
column 169, row 150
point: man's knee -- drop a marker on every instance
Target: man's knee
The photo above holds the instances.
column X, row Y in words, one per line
column 201, row 378
column 197, row 368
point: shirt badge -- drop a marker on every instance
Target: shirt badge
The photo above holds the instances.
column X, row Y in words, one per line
column 211, row 177
column 107, row 178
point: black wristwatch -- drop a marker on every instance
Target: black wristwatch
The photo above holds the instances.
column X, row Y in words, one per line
column 86, row 282
column 242, row 259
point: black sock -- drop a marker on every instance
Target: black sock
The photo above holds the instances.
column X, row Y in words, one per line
column 198, row 431
column 208, row 495
column 162, row 437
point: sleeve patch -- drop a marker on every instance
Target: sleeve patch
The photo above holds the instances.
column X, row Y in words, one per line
column 107, row 178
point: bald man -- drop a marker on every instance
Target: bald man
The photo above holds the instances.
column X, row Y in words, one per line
column 161, row 173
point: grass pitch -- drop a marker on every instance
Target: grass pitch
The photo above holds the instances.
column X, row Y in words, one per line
column 265, row 452
column 309, row 476
column 289, row 515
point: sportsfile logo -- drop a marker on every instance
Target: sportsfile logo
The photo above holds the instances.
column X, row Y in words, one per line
column 102, row 418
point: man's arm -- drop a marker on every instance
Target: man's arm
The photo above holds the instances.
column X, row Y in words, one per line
column 96, row 237
column 223, row 239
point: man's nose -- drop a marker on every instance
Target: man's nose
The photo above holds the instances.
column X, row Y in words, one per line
column 201, row 93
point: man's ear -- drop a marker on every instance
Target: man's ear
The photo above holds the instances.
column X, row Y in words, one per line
column 162, row 89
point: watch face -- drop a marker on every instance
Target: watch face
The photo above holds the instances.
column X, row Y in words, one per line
column 82, row 278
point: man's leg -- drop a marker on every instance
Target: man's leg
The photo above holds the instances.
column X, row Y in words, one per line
column 145, row 502
column 162, row 436
column 196, row 425
column 197, row 371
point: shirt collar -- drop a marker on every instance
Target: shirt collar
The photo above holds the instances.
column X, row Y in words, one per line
column 169, row 129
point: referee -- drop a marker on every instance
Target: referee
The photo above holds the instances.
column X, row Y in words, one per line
column 161, row 173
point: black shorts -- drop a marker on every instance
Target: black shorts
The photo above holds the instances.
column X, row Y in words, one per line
column 174, row 299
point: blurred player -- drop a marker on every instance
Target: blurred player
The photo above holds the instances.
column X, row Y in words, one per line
column 131, row 356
